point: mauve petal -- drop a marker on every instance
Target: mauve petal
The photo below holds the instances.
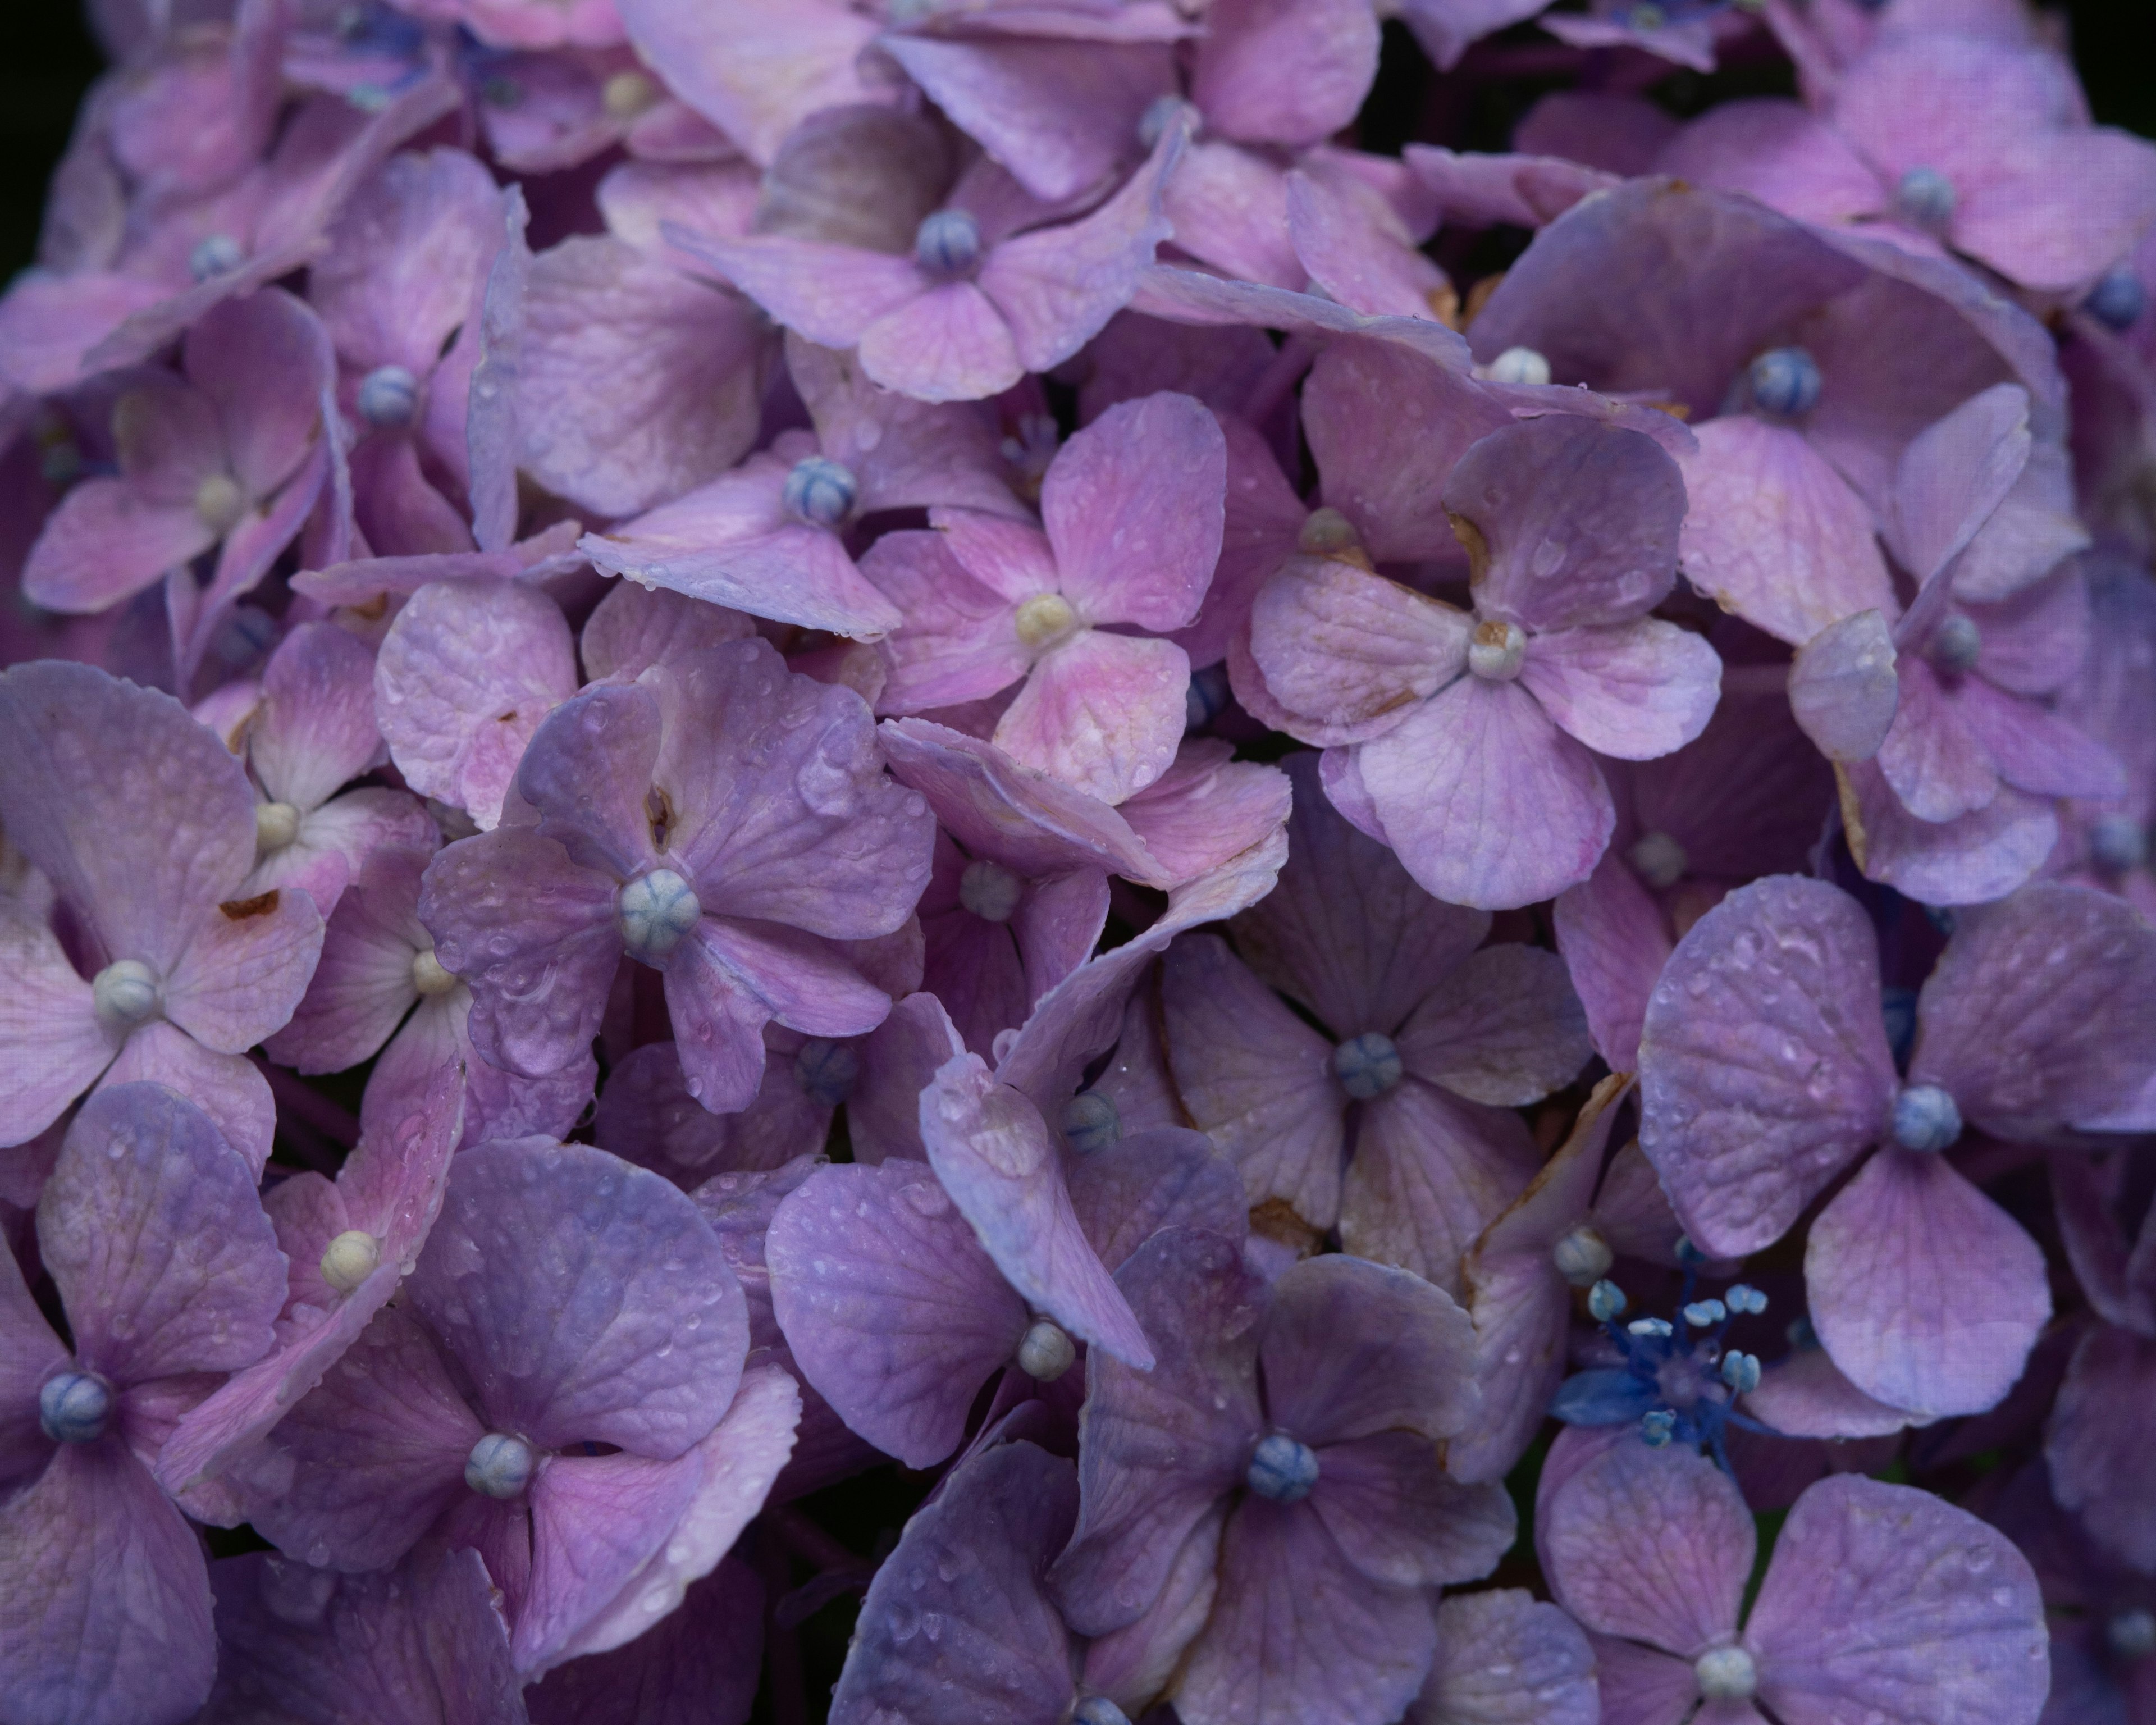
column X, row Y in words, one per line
column 107, row 541
column 951, row 343
column 648, row 1116
column 629, row 1329
column 1894, row 1603
column 2101, row 1465
column 1776, row 534
column 1297, row 1635
column 975, row 970
column 1430, row 1173
column 1773, row 149
column 1346, row 930
column 316, row 731
column 636, row 381
column 362, row 986
column 1577, row 522
column 1927, row 1294
column 1507, row 1029
column 894, row 1313
column 2116, row 1269
column 53, row 1045
column 1356, row 248
column 1057, row 287
column 1059, row 922
column 587, row 771
column 229, row 1089
column 1400, row 1518
column 698, row 1666
column 1227, row 207
column 1968, row 860
column 264, row 361
column 804, row 982
column 782, row 809
column 151, row 1231
column 1134, row 506
column 993, row 1152
column 1346, row 651
column 2066, row 207
column 1521, row 1305
column 465, row 676
column 335, row 840
column 1614, row 943
column 29, row 1354
column 139, row 816
column 957, row 642
column 391, row 1187
column 970, row 1565
column 897, row 1061
column 105, row 1604
column 1506, row 1658
column 1763, row 1064
column 1103, row 712
column 1640, row 691
column 2039, row 636
column 832, row 295
column 1843, row 689
column 536, row 938
column 737, row 1465
column 1350, row 1349
column 50, row 324
column 1132, row 1666
column 423, row 1645
column 1954, row 475
column 1487, row 802
column 1158, row 1449
column 1152, row 1178
column 245, row 970
column 1276, row 72
column 1653, row 1545
column 1805, row 1394
column 491, row 431
column 2034, row 750
column 1384, row 467
column 1642, row 1686
column 1254, row 1079
column 405, row 259
column 2043, row 1011
column 370, row 1459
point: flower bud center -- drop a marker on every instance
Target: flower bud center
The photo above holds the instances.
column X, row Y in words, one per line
column 125, row 994
column 1725, row 1674
column 1926, row 1118
column 947, row 243
column 1582, row 1257
column 1046, row 1352
column 1659, row 860
column 1496, row 651
column 1925, row 197
column 500, row 1466
column 74, row 1408
column 1091, row 1123
column 627, row 95
column 655, row 910
column 1784, row 382
column 1282, row 1469
column 350, row 1259
column 219, row 502
column 990, row 891
column 1519, row 365
column 820, row 491
column 276, row 824
column 427, row 975
column 2132, row 1633
column 826, row 1070
column 1044, row 619
column 1367, row 1065
column 388, row 396
column 212, row 254
column 1955, row 644
column 2117, row 843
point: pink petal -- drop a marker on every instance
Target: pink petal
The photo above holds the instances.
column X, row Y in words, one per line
column 316, row 728
column 1278, row 71
column 2067, row 206
column 1103, row 712
column 950, row 343
column 54, row 1046
column 1843, row 688
column 1615, row 944
column 245, row 970
column 1637, row 691
column 229, row 1089
column 1344, row 651
column 1806, row 1395
column 1206, row 808
column 107, row 541
column 1954, row 475
column 959, row 642
column 1776, row 534
column 1133, row 507
column 1487, row 802
column 1971, row 860
column 1772, row 149
column 1355, row 248
column 264, row 362
column 1504, row 1030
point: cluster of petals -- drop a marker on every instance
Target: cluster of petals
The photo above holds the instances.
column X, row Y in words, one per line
column 858, row 860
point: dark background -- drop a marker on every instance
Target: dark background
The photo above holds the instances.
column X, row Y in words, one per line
column 47, row 59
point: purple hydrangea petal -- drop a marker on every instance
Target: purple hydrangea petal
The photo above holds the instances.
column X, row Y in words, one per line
column 105, row 1602
column 2043, row 1013
column 369, row 1459
column 1104, row 712
column 229, row 1089
column 1297, row 1633
column 150, row 1230
column 907, row 1315
column 732, row 977
column 992, row 1151
column 1507, row 1029
column 1411, row 1369
column 1843, row 688
column 733, row 1469
column 1635, row 692
column 968, row 1568
column 1487, row 802
column 634, row 627
column 466, row 673
column 588, row 773
column 1430, row 1173
column 1806, row 1395
column 648, row 1116
column 1400, row 1518
column 2100, row 1467
column 1775, row 534
column 425, row 1644
column 29, row 1352
column 1132, row 1665
column 55, row 1045
column 1883, row 1597
column 1164, row 1177
column 697, row 1666
column 1926, row 1293
column 1615, row 944
column 565, row 1345
column 1577, row 522
column 1653, row 1545
column 1158, row 1448
column 1132, row 506
column 1285, row 73
column 1506, row 1658
column 245, row 970
column 1254, row 1079
column 1764, row 1068
column 1954, row 475
column 490, row 428
column 1344, row 651
column 1972, row 859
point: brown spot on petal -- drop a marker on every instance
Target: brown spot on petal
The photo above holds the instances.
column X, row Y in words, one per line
column 1276, row 1220
column 1478, row 548
column 240, row 909
column 507, row 718
column 1852, row 816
